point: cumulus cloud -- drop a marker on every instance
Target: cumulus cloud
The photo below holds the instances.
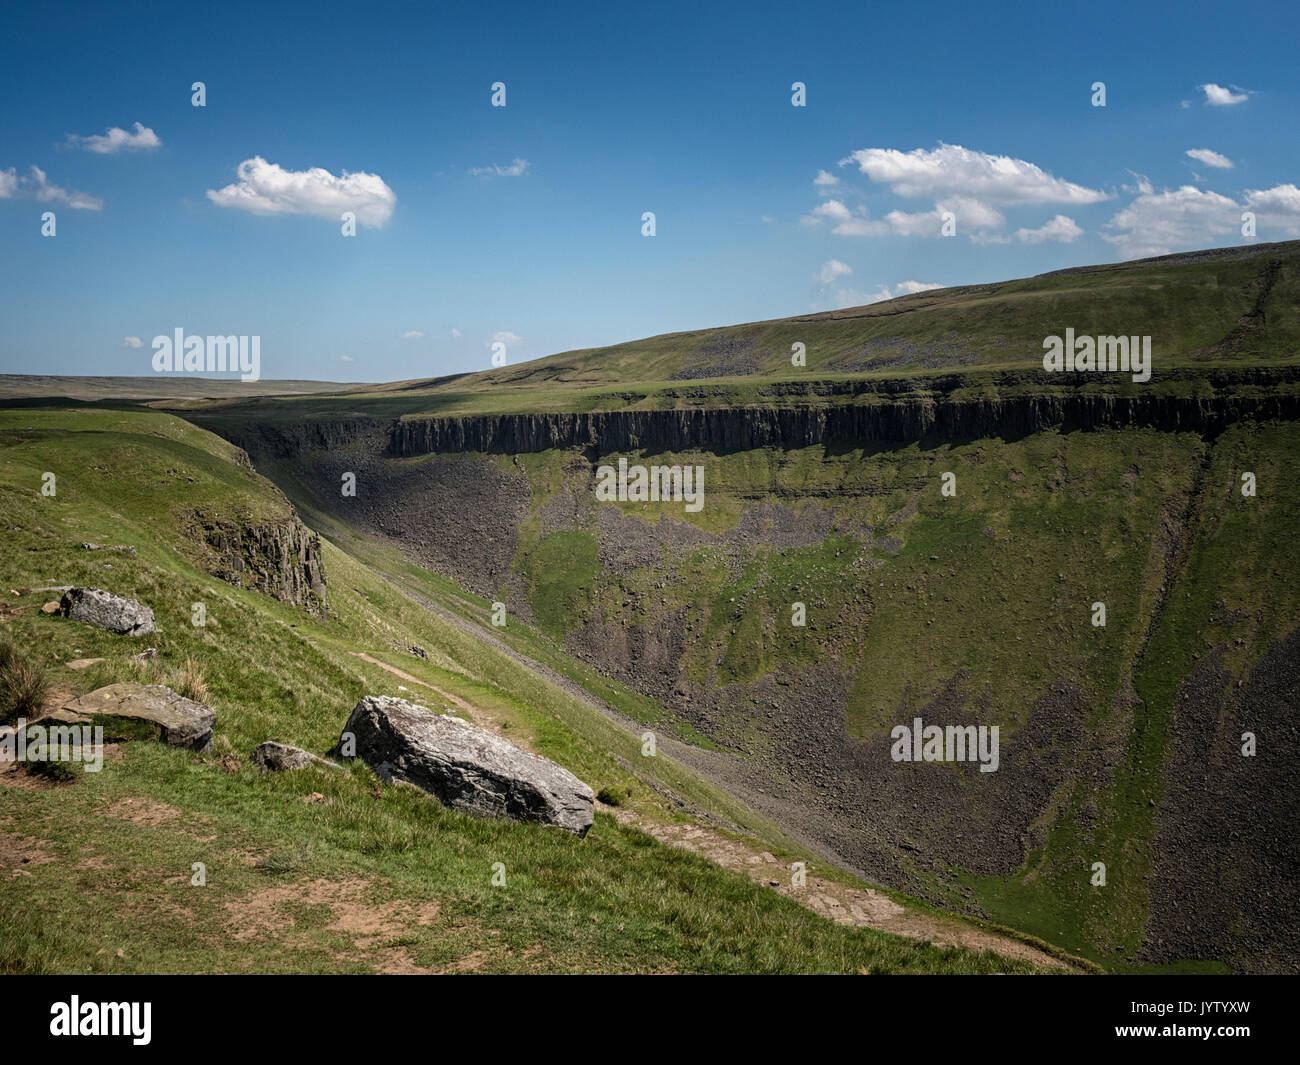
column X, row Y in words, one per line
column 268, row 189
column 1061, row 230
column 455, row 333
column 951, row 170
column 825, row 178
column 412, row 334
column 1277, row 208
column 516, row 169
column 37, row 186
column 1157, row 223
column 116, row 139
column 1209, row 158
column 831, row 269
column 970, row 186
column 132, row 342
column 1218, row 96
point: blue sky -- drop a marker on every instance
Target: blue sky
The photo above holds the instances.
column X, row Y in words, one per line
column 680, row 109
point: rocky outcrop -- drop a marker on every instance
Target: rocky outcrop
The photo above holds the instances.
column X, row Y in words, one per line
column 272, row 757
column 279, row 558
column 116, row 613
column 145, row 712
column 464, row 766
column 288, row 439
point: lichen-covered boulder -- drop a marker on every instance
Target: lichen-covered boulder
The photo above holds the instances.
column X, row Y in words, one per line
column 116, row 613
column 132, row 711
column 464, row 766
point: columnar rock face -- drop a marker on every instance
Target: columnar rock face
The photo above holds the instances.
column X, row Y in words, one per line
column 146, row 712
column 116, row 613
column 904, row 419
column 466, row 767
column 282, row 559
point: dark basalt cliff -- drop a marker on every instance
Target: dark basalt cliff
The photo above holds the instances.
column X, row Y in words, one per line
column 862, row 411
column 900, row 420
column 281, row 559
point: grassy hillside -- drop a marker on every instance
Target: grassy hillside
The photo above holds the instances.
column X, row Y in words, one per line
column 975, row 607
column 1229, row 307
column 313, row 871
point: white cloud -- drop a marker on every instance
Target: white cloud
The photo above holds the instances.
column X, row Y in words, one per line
column 836, row 299
column 456, row 333
column 267, row 189
column 516, row 169
column 951, row 170
column 132, row 342
column 970, row 185
column 1060, row 229
column 412, row 334
column 1218, row 96
column 971, row 215
column 831, row 269
column 1157, row 223
column 825, row 178
column 504, row 336
column 908, row 288
column 39, row 187
column 767, row 219
column 1209, row 158
column 346, row 358
column 116, row 139
column 1276, row 208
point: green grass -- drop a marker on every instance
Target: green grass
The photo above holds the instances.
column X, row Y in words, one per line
column 105, row 893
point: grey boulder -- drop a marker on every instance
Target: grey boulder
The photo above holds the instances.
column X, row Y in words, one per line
column 466, row 767
column 272, row 757
column 132, row 711
column 116, row 613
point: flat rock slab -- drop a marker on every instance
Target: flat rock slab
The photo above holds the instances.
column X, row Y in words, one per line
column 147, row 712
column 466, row 767
column 272, row 757
column 116, row 613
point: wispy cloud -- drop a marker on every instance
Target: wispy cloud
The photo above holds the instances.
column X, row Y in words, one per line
column 1218, row 96
column 267, row 189
column 835, row 299
column 831, row 269
column 132, row 342
column 412, row 334
column 504, row 336
column 116, row 139
column 1210, row 158
column 35, row 185
column 516, row 169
